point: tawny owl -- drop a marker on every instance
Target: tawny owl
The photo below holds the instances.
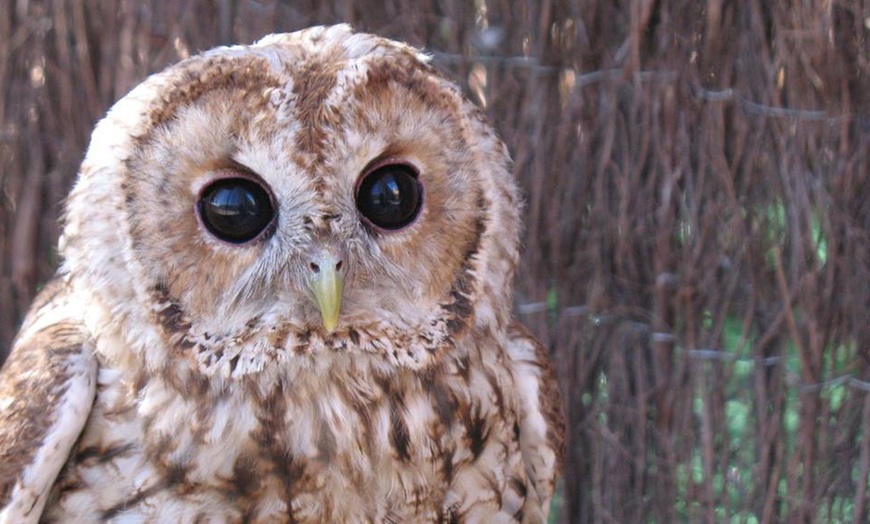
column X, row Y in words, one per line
column 285, row 296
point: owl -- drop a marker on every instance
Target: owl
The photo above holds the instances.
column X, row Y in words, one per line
column 285, row 296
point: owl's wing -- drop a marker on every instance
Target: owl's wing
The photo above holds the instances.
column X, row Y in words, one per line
column 47, row 388
column 542, row 421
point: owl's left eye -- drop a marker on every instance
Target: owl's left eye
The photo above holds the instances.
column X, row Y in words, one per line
column 235, row 210
column 390, row 197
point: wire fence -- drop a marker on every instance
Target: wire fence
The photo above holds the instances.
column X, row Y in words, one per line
column 704, row 354
column 697, row 248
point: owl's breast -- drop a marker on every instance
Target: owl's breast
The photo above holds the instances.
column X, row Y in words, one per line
column 344, row 442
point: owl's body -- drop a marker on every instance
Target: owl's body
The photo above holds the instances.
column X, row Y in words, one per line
column 334, row 355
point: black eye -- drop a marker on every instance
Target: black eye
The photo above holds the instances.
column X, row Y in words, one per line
column 235, row 209
column 390, row 197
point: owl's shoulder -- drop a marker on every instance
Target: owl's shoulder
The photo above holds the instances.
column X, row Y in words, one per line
column 542, row 418
column 47, row 386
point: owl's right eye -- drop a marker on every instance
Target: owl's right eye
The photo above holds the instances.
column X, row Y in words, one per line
column 236, row 210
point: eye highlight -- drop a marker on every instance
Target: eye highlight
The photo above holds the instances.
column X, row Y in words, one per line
column 390, row 197
column 235, row 210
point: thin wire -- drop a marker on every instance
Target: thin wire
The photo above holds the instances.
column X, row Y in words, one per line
column 592, row 77
column 707, row 354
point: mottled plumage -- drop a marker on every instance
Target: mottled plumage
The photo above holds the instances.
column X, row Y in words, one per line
column 346, row 355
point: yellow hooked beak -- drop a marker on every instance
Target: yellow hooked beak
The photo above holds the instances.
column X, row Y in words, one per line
column 326, row 281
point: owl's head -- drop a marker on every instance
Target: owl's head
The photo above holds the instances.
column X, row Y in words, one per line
column 320, row 190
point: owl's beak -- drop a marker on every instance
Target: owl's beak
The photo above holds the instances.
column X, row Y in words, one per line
column 326, row 271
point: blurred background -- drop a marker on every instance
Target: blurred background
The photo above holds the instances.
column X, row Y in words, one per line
column 697, row 251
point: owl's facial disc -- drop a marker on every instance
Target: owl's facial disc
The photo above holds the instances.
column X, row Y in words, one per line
column 326, row 276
